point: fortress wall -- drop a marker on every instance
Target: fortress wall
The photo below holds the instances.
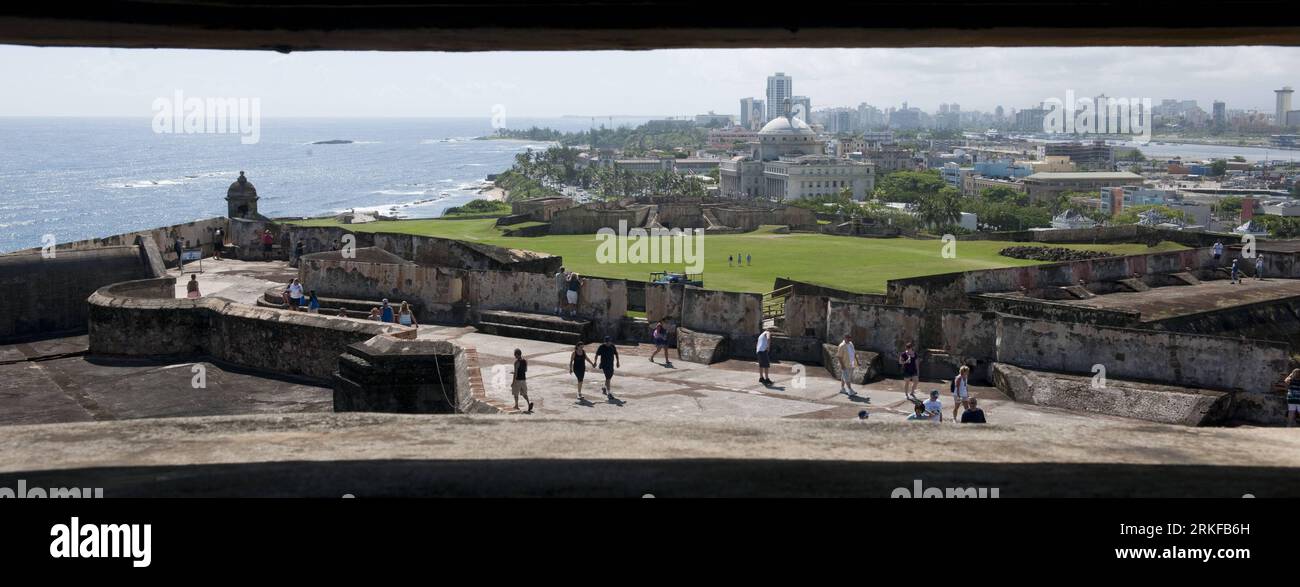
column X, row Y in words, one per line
column 949, row 290
column 588, row 220
column 738, row 316
column 881, row 329
column 602, row 300
column 805, row 315
column 134, row 319
column 433, row 291
column 198, row 233
column 1166, row 357
column 681, row 215
column 40, row 296
column 1062, row 312
column 663, row 301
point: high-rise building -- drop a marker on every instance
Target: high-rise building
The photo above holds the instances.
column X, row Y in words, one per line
column 780, row 87
column 751, row 113
column 1283, row 104
column 1220, row 114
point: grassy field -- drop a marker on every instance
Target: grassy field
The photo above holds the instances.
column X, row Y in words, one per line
column 850, row 263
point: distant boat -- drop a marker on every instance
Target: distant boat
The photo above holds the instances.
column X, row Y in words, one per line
column 333, row 142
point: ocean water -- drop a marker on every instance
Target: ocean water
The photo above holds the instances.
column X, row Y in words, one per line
column 79, row 178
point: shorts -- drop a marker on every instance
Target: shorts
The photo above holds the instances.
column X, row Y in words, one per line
column 572, row 296
column 909, row 376
column 519, row 387
column 608, row 371
column 580, row 374
column 961, row 394
column 846, row 375
column 661, row 342
column 764, row 359
column 1216, row 256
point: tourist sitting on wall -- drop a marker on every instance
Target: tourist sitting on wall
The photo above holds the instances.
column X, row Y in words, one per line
column 406, row 317
column 385, row 311
column 918, row 413
column 313, row 306
column 375, row 314
column 192, row 288
column 973, row 414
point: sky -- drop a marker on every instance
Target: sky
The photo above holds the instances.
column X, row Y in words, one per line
column 126, row 82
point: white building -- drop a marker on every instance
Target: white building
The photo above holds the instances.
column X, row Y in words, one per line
column 1072, row 219
column 780, row 89
column 789, row 161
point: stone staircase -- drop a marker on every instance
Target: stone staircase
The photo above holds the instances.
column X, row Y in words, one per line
column 534, row 326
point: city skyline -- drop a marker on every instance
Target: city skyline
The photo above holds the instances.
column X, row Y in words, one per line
column 124, row 82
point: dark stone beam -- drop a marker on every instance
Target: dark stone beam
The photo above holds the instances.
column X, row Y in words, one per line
column 295, row 25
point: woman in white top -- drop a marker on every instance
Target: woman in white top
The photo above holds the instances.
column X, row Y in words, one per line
column 960, row 391
column 295, row 294
column 406, row 317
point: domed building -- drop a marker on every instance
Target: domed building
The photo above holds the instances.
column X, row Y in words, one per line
column 789, row 161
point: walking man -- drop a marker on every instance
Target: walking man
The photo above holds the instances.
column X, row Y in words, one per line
column 1218, row 252
column 607, row 355
column 847, row 357
column 729, row 260
column 764, row 355
column 748, row 259
column 218, row 242
column 1259, row 267
column 1236, row 275
column 519, row 386
column 385, row 312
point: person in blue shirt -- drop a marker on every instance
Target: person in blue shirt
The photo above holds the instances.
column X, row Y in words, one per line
column 314, row 305
column 386, row 312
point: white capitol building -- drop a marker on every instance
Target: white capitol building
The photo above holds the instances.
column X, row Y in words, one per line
column 789, row 161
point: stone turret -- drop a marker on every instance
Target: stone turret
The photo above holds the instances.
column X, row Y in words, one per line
column 241, row 199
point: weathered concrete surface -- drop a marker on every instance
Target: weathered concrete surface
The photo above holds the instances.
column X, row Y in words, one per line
column 385, row 374
column 702, row 347
column 664, row 302
column 372, row 455
column 739, row 316
column 1176, row 358
column 869, row 363
column 1144, row 401
column 883, row 329
column 49, row 383
column 128, row 320
column 39, row 296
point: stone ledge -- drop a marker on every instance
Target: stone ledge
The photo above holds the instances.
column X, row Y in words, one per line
column 1128, row 399
column 869, row 363
column 701, row 347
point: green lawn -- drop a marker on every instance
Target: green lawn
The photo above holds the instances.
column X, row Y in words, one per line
column 844, row 262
